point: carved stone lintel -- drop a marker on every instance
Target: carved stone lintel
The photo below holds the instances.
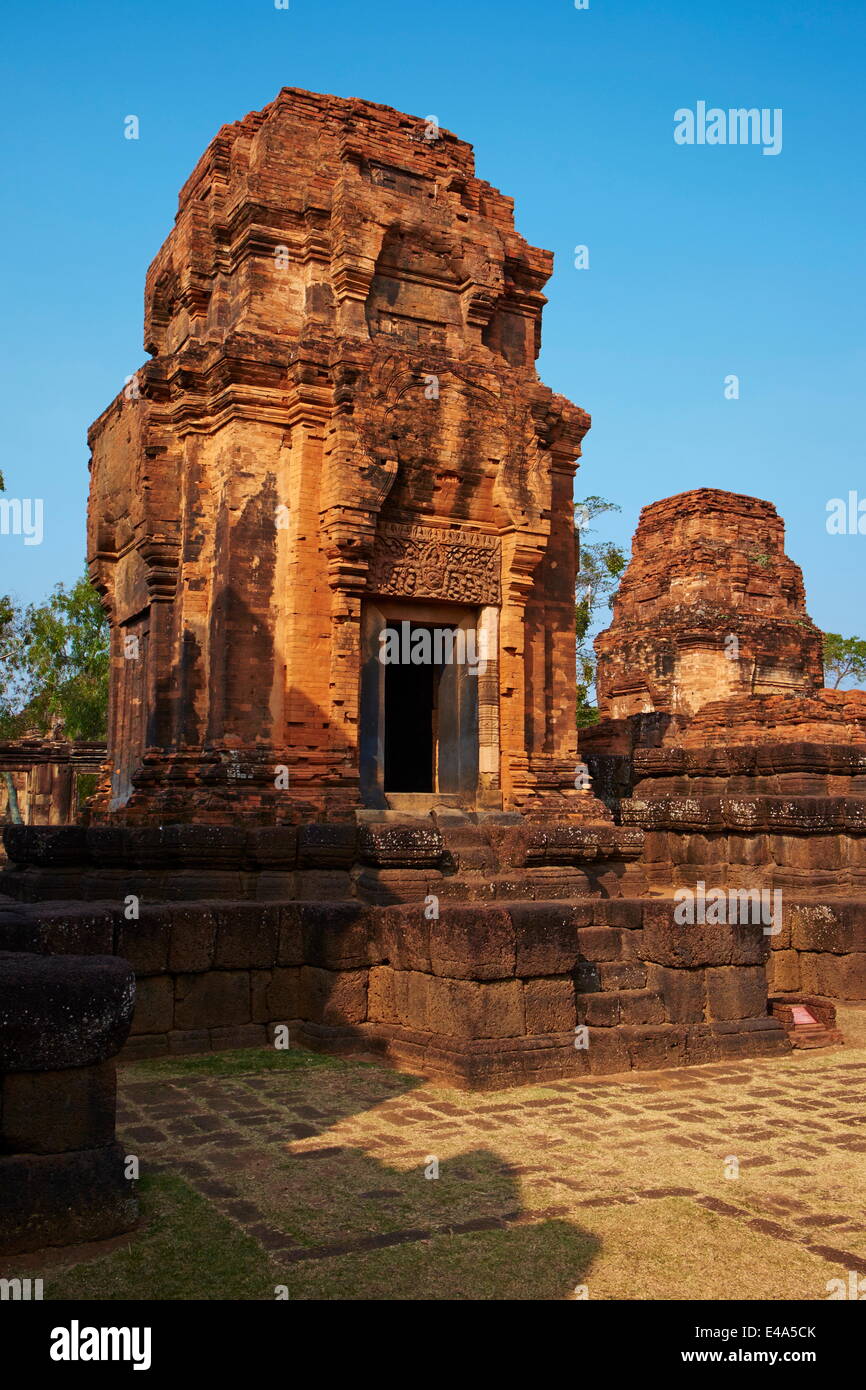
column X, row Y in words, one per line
column 430, row 562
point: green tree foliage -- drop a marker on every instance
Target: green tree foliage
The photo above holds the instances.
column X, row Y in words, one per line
column 12, row 681
column 601, row 564
column 54, row 664
column 54, row 660
column 9, row 682
column 7, row 614
column 844, row 660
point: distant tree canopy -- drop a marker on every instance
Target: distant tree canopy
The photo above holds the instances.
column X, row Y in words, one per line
column 601, row 564
column 54, row 664
column 844, row 660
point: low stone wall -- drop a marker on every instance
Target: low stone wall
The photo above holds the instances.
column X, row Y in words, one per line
column 811, row 850
column 482, row 995
column 482, row 951
column 62, row 1021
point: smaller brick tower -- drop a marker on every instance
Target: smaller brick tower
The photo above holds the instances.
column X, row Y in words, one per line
column 709, row 607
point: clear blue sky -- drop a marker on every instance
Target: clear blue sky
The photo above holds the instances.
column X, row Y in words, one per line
column 704, row 261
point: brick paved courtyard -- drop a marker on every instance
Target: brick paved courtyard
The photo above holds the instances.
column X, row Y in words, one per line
column 721, row 1182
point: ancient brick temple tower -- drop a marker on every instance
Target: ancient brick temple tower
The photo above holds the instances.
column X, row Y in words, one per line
column 341, row 430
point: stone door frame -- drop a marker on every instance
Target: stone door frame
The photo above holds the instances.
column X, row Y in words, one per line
column 380, row 612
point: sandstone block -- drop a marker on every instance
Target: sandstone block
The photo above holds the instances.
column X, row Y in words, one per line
column 622, row 975
column 381, row 1006
column 818, row 851
column 46, row 845
column 50, row 1112
column 750, row 1037
column 62, row 1011
column 683, row 992
column 705, row 849
column 337, row 936
column 598, row 1010
column 154, row 1005
column 617, row 912
column 810, row 980
column 735, row 992
column 607, row 1052
column 652, row 1048
column 546, row 936
column 144, row 942
column 600, row 943
column 183, row 1041
column 273, row 846
column 333, row 996
column 666, row 942
column 192, row 939
column 550, row 1005
column 464, row 1009
column 403, row 935
column 238, row 1036
column 842, row 977
column 246, row 936
column 783, row 972
column 472, row 942
column 641, row 1006
column 75, row 929
column 290, row 943
column 64, row 1199
column 327, row 846
column 212, row 1000
column 275, row 994
column 752, row 850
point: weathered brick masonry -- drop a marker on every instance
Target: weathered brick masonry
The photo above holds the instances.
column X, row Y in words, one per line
column 710, row 606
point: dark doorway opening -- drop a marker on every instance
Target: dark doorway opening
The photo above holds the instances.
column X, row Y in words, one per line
column 418, row 720
column 412, row 723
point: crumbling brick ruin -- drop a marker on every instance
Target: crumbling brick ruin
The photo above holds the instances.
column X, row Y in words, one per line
column 709, row 607
column 48, row 775
column 717, row 740
column 341, row 435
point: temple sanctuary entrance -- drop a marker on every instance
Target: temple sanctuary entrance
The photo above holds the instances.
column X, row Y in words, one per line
column 419, row 704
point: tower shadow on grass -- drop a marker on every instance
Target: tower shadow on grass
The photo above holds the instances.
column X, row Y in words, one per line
column 464, row 1234
column 333, row 1220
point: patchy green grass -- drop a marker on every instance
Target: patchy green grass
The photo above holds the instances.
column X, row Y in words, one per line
column 534, row 1262
column 184, row 1249
column 341, row 1196
column 662, row 1250
column 242, row 1062
column 333, row 1153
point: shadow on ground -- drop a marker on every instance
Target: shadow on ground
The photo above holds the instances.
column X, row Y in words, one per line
column 244, row 1198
